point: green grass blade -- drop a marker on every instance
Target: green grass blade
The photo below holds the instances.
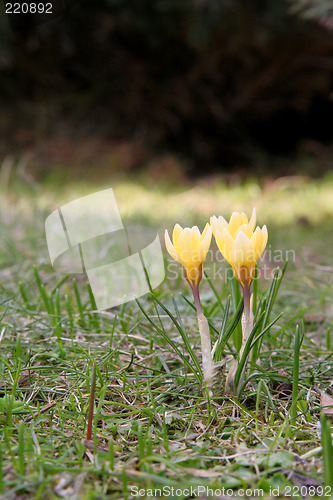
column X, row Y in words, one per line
column 250, row 344
column 21, row 450
column 171, row 343
column 78, row 300
column 184, row 336
column 255, row 290
column 326, row 443
column 274, row 288
column 226, row 333
column 180, row 329
column 295, row 394
column 217, row 296
column 1, row 470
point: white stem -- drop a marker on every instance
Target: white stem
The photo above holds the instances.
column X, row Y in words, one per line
column 206, row 347
column 209, row 368
column 247, row 325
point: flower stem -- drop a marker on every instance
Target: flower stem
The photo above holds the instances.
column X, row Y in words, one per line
column 206, row 347
column 210, row 369
column 247, row 318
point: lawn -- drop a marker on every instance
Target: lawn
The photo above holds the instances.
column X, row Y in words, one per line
column 155, row 432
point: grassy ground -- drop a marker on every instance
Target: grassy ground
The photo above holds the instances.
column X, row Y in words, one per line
column 153, row 427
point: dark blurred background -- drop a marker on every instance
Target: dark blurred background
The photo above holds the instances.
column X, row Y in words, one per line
column 221, row 85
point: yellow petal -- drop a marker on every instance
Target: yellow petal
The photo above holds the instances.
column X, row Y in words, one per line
column 225, row 243
column 252, row 222
column 176, row 232
column 257, row 241
column 246, row 230
column 243, row 259
column 213, row 220
column 236, row 220
column 245, row 220
column 205, row 242
column 188, row 245
column 204, row 232
column 261, row 242
column 196, row 230
column 171, row 249
column 218, row 223
column 265, row 238
column 242, row 252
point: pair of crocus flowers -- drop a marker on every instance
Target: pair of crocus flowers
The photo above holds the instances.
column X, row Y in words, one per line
column 240, row 242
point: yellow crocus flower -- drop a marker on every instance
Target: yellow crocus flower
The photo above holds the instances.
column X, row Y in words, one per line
column 240, row 244
column 236, row 220
column 189, row 248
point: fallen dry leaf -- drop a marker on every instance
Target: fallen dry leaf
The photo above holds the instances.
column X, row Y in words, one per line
column 90, row 445
column 42, row 410
column 204, row 473
column 326, row 402
column 25, row 377
column 314, row 318
column 283, row 389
